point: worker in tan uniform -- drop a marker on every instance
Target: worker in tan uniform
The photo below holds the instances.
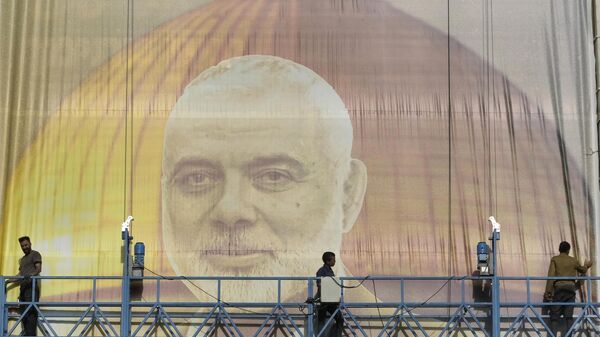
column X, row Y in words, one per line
column 563, row 265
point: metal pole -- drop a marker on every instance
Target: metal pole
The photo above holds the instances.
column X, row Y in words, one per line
column 2, row 306
column 125, row 295
column 495, row 286
column 595, row 169
column 311, row 312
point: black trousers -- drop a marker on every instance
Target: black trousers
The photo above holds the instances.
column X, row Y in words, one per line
column 324, row 312
column 30, row 318
column 566, row 311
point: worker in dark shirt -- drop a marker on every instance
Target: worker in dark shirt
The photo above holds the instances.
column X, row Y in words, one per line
column 29, row 265
column 325, row 270
column 563, row 265
column 326, row 310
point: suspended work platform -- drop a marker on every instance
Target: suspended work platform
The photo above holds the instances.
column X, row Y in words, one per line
column 388, row 306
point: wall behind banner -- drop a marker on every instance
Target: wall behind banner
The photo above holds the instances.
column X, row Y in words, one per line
column 90, row 89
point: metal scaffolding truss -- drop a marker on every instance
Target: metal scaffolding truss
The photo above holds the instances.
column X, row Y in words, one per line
column 401, row 311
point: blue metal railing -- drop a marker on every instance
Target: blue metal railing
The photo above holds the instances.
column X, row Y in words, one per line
column 411, row 306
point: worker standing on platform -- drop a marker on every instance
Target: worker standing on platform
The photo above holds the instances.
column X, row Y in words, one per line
column 326, row 310
column 29, row 265
column 563, row 265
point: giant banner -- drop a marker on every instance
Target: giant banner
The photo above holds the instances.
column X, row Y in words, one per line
column 248, row 137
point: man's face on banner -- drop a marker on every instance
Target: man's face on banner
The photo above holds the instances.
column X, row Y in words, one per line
column 259, row 192
column 244, row 196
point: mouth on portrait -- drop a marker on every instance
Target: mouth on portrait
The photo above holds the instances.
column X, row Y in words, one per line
column 237, row 258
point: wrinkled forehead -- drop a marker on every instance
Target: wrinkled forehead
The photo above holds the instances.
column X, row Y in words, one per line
column 321, row 119
column 302, row 128
column 306, row 139
column 230, row 112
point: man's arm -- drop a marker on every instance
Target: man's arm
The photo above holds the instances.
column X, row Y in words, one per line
column 319, row 275
column 583, row 269
column 14, row 281
column 37, row 263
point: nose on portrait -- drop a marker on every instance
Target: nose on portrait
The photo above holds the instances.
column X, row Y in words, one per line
column 234, row 208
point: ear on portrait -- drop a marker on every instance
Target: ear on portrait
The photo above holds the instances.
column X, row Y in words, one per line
column 355, row 188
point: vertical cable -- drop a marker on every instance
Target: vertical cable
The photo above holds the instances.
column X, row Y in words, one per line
column 594, row 239
column 450, row 236
column 126, row 112
column 484, row 104
column 494, row 191
column 131, row 114
column 128, row 153
column 488, row 118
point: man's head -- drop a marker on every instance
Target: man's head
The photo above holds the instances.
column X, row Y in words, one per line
column 564, row 247
column 257, row 172
column 25, row 243
column 329, row 258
